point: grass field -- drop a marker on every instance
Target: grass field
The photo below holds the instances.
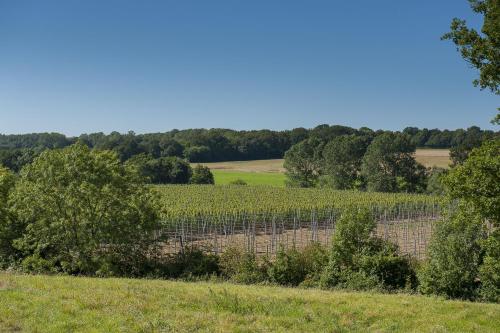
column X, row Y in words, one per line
column 224, row 177
column 271, row 172
column 76, row 304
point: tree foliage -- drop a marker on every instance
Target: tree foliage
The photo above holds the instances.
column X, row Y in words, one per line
column 481, row 50
column 454, row 256
column 202, row 175
column 359, row 260
column 82, row 211
column 477, row 181
column 162, row 170
column 303, row 163
column 389, row 165
column 342, row 161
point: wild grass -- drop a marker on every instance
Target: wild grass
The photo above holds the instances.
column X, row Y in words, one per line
column 77, row 304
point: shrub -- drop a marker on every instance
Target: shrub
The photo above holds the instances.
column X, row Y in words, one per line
column 359, row 260
column 489, row 272
column 288, row 268
column 9, row 229
column 192, row 262
column 454, row 256
column 202, row 175
column 242, row 266
column 238, row 182
column 315, row 258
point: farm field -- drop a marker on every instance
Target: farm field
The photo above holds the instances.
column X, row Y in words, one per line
column 434, row 157
column 271, row 172
column 76, row 304
column 225, row 177
column 193, row 200
column 262, row 218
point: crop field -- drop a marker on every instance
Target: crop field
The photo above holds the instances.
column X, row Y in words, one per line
column 195, row 200
column 264, row 218
column 76, row 304
column 433, row 157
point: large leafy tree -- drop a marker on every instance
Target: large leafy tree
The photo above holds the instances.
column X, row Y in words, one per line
column 303, row 163
column 342, row 160
column 463, row 261
column 9, row 230
column 82, row 211
column 389, row 165
column 477, row 181
column 481, row 49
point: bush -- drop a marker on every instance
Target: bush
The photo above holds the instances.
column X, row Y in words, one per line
column 242, row 266
column 238, row 182
column 288, row 268
column 82, row 212
column 9, row 229
column 361, row 261
column 489, row 272
column 202, row 175
column 454, row 257
column 191, row 262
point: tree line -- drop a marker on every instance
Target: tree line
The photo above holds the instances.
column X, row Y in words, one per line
column 216, row 145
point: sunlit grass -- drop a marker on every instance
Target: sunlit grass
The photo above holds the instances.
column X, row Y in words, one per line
column 71, row 304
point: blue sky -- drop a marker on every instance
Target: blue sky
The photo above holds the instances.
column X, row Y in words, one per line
column 149, row 66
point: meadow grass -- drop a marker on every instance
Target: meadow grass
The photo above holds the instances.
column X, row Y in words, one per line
column 224, row 177
column 78, row 304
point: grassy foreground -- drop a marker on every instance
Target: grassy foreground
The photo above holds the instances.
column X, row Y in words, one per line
column 69, row 304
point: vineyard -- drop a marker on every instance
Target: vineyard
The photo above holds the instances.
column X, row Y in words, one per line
column 262, row 219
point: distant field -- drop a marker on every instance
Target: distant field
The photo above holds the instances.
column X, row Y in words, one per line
column 249, row 166
column 75, row 304
column 224, row 177
column 271, row 172
column 434, row 157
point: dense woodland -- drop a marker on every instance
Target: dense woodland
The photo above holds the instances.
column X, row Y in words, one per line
column 214, row 145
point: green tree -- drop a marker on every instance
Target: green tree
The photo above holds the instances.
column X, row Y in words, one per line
column 202, row 175
column 454, row 256
column 481, row 50
column 303, row 163
column 84, row 212
column 389, row 165
column 360, row 260
column 162, row 170
column 435, row 181
column 477, row 181
column 9, row 230
column 342, row 161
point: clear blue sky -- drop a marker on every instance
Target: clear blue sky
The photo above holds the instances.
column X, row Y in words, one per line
column 148, row 66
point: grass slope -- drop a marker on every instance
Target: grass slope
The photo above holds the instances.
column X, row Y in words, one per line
column 70, row 304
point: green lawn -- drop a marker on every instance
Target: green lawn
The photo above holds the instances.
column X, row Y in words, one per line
column 75, row 304
column 224, row 177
